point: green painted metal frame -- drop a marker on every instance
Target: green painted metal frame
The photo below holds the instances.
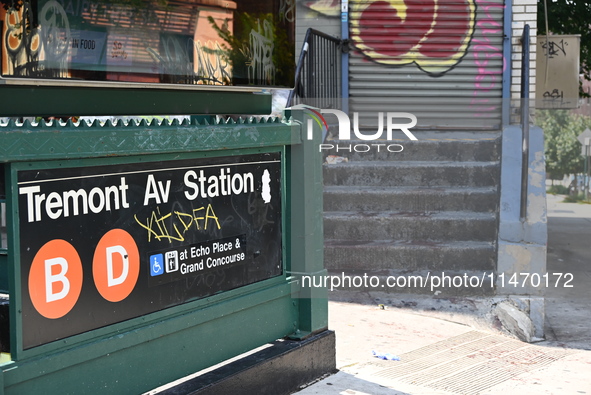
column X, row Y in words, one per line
column 46, row 101
column 171, row 343
column 56, row 140
column 306, row 213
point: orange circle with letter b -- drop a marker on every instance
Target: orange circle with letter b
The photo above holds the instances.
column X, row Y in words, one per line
column 55, row 279
column 116, row 265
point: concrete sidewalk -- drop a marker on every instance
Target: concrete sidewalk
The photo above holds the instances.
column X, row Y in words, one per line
column 450, row 350
column 456, row 346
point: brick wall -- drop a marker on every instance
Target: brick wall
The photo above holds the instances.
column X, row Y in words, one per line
column 524, row 12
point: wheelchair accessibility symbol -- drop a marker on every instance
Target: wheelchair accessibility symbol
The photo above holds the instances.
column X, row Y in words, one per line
column 156, row 265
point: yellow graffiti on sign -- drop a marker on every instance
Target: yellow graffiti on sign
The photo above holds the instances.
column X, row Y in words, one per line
column 172, row 226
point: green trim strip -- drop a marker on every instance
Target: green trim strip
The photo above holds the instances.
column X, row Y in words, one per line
column 47, row 101
column 26, row 141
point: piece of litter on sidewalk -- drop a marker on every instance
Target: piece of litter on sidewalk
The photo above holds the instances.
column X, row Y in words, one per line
column 333, row 159
column 386, row 356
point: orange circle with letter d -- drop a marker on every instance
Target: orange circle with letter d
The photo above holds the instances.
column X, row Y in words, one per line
column 55, row 279
column 116, row 265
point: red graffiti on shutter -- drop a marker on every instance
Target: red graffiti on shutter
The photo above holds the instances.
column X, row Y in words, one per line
column 434, row 34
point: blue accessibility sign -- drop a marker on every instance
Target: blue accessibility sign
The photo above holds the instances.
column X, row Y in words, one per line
column 156, row 265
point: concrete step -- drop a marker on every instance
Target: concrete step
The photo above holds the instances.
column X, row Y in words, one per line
column 351, row 198
column 408, row 225
column 409, row 255
column 470, row 148
column 443, row 283
column 411, row 173
column 414, row 208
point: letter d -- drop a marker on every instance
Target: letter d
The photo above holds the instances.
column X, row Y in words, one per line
column 115, row 285
column 111, row 280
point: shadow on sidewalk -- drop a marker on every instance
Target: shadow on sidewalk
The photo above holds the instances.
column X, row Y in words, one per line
column 568, row 296
column 348, row 384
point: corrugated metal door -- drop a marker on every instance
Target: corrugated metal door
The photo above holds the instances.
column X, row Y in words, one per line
column 441, row 60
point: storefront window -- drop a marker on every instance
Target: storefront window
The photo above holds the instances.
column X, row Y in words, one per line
column 246, row 43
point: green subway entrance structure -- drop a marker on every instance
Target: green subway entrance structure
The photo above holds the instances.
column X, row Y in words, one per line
column 169, row 235
column 136, row 254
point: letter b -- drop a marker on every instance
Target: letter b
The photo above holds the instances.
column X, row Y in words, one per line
column 60, row 277
column 55, row 279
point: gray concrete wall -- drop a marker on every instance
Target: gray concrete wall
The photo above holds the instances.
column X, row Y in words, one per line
column 522, row 243
column 313, row 14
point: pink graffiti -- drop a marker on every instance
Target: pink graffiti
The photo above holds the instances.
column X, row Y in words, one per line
column 488, row 77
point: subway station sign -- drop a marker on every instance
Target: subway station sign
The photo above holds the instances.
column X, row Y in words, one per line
column 104, row 244
column 210, row 43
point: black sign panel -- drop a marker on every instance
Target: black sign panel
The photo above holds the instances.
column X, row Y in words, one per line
column 100, row 245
